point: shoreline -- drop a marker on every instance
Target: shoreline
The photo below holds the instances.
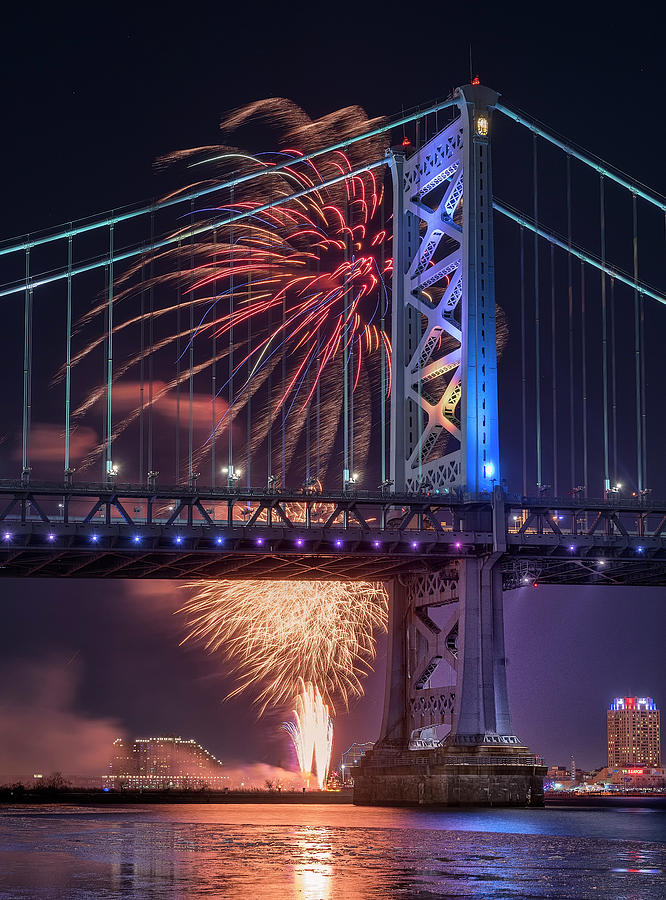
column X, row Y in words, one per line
column 602, row 801
column 12, row 797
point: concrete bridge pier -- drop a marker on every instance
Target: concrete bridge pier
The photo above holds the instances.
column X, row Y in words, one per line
column 446, row 736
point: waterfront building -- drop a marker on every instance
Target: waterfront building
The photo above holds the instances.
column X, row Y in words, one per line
column 164, row 762
column 630, row 778
column 634, row 733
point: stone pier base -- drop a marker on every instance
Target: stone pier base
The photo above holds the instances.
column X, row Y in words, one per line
column 444, row 777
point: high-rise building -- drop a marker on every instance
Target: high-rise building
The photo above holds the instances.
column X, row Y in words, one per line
column 633, row 732
column 164, row 762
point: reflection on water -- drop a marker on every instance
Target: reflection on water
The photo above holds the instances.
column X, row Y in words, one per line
column 328, row 853
column 314, row 870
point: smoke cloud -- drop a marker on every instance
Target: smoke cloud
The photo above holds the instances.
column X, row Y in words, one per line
column 41, row 730
column 260, row 776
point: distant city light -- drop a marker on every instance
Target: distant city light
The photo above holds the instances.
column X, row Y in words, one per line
column 572, row 548
column 137, row 539
column 52, row 537
column 640, row 549
column 338, row 543
column 376, row 544
column 94, row 538
column 179, row 539
column 299, row 542
column 7, row 536
column 218, row 540
column 414, row 545
column 260, row 541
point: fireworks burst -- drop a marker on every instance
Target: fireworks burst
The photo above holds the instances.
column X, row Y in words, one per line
column 279, row 635
column 281, row 304
column 311, row 733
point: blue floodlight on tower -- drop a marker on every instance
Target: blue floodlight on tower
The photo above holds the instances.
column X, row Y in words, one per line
column 444, row 415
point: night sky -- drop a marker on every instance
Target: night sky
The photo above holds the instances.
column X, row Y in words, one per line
column 92, row 96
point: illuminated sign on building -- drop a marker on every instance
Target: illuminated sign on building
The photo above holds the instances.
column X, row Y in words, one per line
column 646, row 704
column 633, row 771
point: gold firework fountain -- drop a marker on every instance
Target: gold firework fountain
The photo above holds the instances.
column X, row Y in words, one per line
column 311, row 733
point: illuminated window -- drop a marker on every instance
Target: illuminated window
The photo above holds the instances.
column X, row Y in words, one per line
column 482, row 126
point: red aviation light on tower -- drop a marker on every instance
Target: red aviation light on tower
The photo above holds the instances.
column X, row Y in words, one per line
column 476, row 80
column 406, row 142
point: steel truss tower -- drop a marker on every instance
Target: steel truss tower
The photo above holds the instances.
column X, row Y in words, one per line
column 445, row 436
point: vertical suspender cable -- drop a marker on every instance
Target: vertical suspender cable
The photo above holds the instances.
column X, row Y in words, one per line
column 109, row 360
column 190, row 445
column 350, row 366
column 637, row 352
column 307, row 427
column 350, row 358
column 231, row 346
column 643, row 392
column 142, row 364
column 345, row 368
column 269, row 379
column 382, row 385
column 572, row 421
column 318, row 394
column 523, row 363
column 283, row 407
column 179, row 298
column 68, row 351
column 213, row 368
column 643, row 379
column 604, row 331
column 248, row 405
column 27, row 366
column 537, row 322
column 583, row 349
column 151, row 341
column 104, row 367
column 554, row 364
column 614, row 465
column 418, row 321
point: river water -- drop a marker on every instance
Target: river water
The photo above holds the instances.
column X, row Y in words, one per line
column 314, row 852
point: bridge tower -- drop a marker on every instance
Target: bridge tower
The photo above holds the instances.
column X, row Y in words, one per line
column 446, row 693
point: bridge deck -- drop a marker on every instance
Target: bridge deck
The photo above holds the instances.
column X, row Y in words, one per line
column 131, row 531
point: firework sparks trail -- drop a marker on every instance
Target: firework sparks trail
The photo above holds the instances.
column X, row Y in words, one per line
column 306, row 279
column 279, row 635
column 311, row 733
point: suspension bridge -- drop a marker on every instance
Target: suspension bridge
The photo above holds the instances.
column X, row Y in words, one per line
column 317, row 330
